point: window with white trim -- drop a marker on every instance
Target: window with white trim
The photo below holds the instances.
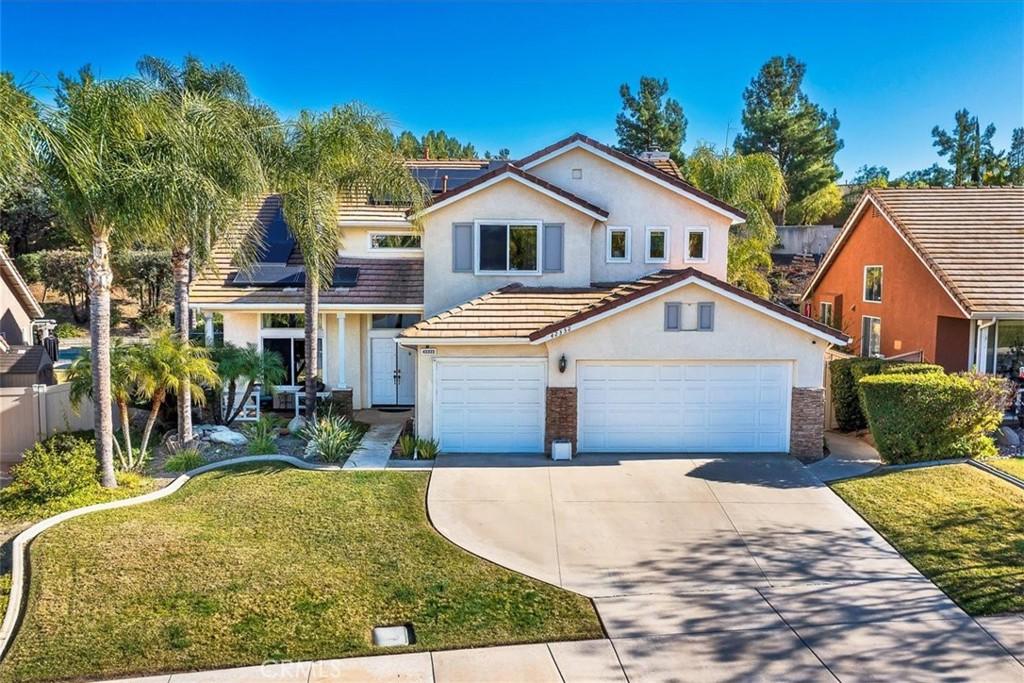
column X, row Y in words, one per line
column 871, row 336
column 873, row 284
column 656, row 249
column 697, row 245
column 825, row 315
column 619, row 247
column 508, row 247
column 391, row 241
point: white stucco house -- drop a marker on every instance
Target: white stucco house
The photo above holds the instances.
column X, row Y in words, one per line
column 578, row 293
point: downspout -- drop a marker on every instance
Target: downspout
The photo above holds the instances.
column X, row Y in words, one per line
column 979, row 352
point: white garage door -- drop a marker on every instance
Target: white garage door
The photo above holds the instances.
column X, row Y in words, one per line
column 674, row 407
column 489, row 406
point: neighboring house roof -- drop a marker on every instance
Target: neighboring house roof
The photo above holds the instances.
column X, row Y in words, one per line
column 972, row 240
column 509, row 172
column 24, row 366
column 18, row 285
column 379, row 281
column 534, row 314
column 577, row 140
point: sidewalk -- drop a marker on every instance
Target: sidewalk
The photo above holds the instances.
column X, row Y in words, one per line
column 849, row 457
column 593, row 661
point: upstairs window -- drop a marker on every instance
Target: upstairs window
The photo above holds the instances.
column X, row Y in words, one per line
column 697, row 245
column 393, row 241
column 873, row 283
column 657, row 245
column 825, row 318
column 618, row 250
column 508, row 247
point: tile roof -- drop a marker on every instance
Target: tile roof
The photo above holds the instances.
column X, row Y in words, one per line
column 17, row 283
column 24, row 360
column 508, row 168
column 531, row 313
column 380, row 281
column 643, row 166
column 971, row 238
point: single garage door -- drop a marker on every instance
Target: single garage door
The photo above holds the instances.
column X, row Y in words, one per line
column 684, row 407
column 483, row 406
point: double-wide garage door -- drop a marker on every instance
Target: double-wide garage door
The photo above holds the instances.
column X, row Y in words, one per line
column 489, row 406
column 683, row 407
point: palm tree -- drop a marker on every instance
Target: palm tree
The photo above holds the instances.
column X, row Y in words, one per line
column 18, row 127
column 206, row 166
column 755, row 184
column 163, row 366
column 346, row 150
column 89, row 152
column 235, row 363
column 79, row 377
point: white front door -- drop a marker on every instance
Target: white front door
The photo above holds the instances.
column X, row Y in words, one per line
column 684, row 407
column 489, row 406
column 392, row 370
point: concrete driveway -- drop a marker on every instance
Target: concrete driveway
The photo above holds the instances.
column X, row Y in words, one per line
column 740, row 567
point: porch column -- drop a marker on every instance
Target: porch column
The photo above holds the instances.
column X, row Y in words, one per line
column 208, row 329
column 341, row 351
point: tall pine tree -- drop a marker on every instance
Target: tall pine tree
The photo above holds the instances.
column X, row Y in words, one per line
column 968, row 149
column 649, row 121
column 779, row 119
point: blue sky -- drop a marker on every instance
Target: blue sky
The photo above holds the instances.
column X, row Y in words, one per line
column 522, row 75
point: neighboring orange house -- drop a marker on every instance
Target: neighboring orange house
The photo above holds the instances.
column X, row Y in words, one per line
column 937, row 272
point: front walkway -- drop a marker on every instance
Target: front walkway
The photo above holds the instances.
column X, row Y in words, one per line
column 848, row 457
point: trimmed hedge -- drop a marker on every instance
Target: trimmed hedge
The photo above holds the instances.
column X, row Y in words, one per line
column 930, row 416
column 846, row 372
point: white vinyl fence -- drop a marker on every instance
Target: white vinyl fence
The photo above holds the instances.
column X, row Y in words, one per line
column 28, row 414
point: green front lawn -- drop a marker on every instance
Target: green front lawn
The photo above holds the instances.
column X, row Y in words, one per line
column 266, row 562
column 961, row 527
column 1012, row 466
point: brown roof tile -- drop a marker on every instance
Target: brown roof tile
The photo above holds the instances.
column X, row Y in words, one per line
column 532, row 313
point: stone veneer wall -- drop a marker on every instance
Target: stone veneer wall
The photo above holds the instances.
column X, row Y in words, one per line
column 560, row 418
column 341, row 402
column 807, row 422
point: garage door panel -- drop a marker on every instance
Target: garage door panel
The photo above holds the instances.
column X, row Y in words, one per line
column 490, row 407
column 694, row 407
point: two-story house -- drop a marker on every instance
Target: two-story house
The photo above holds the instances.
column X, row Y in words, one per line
column 578, row 293
column 935, row 273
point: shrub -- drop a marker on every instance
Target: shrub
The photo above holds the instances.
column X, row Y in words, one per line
column 184, row 460
column 846, row 372
column 69, row 331
column 915, row 417
column 56, row 467
column 262, row 435
column 330, row 437
column 427, row 448
column 407, row 446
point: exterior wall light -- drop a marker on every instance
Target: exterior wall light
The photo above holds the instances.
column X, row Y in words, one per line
column 562, row 363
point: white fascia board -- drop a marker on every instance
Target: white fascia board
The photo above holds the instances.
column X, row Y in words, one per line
column 389, row 225
column 1001, row 315
column 461, row 341
column 579, row 144
column 508, row 175
column 706, row 285
column 844, row 233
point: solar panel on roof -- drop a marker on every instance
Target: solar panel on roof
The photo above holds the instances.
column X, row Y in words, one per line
column 434, row 178
column 345, row 276
column 278, row 242
column 271, row 275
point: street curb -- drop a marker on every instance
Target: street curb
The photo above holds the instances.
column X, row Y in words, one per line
column 19, row 546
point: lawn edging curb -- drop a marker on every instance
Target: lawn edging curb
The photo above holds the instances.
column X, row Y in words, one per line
column 1006, row 476
column 19, row 547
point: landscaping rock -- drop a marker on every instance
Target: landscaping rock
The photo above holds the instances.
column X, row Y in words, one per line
column 296, row 424
column 226, row 436
column 1008, row 437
